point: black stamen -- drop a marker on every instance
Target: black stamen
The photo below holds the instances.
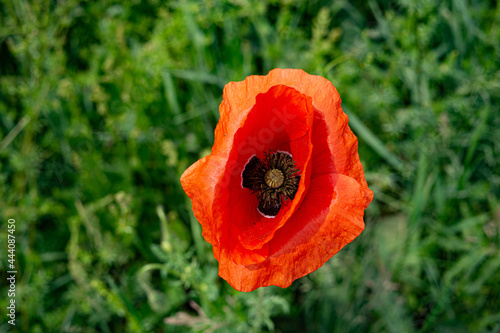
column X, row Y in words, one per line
column 275, row 179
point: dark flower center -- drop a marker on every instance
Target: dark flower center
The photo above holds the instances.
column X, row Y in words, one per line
column 275, row 179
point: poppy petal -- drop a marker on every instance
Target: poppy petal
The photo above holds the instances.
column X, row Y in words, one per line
column 281, row 118
column 325, row 98
column 199, row 182
column 300, row 248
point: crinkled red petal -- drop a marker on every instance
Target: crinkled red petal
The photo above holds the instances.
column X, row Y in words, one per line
column 319, row 229
column 281, row 119
column 199, row 182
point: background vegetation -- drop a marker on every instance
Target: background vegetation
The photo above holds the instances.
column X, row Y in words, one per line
column 103, row 105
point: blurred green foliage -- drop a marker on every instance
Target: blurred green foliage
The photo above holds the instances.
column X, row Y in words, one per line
column 103, row 105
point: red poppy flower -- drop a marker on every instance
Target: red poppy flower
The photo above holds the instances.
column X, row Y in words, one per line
column 283, row 190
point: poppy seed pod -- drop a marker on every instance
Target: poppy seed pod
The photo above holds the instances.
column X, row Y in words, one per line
column 283, row 189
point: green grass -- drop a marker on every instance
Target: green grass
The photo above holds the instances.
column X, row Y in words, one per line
column 104, row 104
